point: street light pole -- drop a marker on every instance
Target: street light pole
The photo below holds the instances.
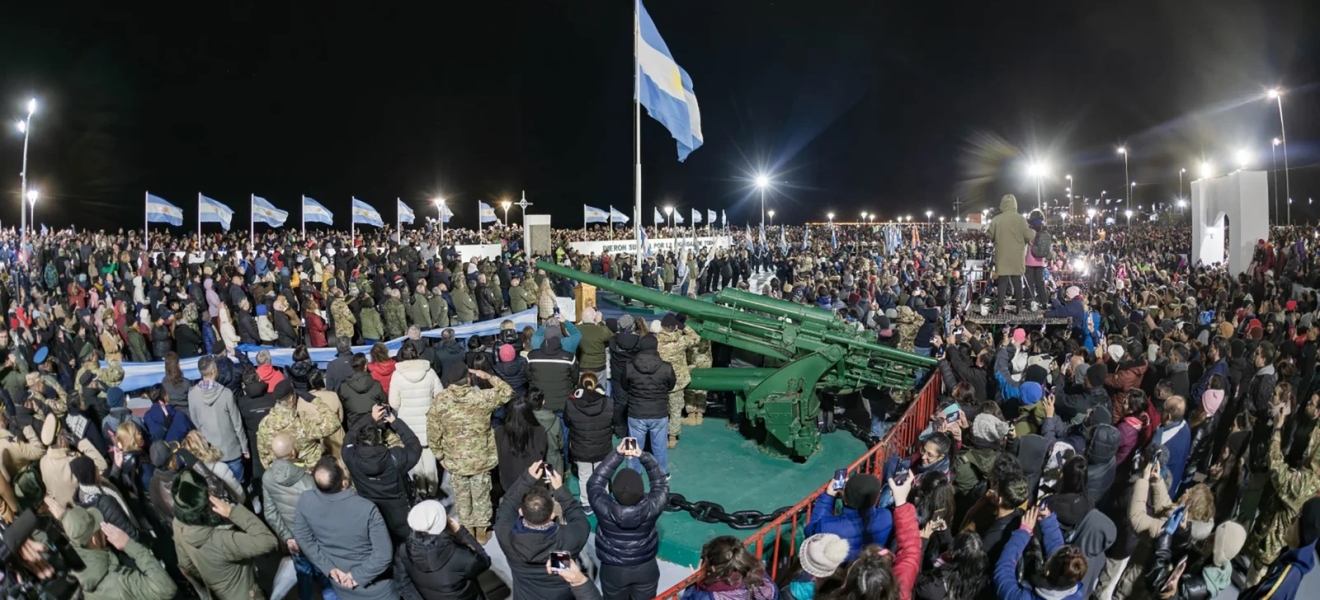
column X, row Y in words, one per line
column 506, row 204
column 25, row 126
column 762, row 181
column 1274, row 167
column 1277, row 95
column 1123, row 150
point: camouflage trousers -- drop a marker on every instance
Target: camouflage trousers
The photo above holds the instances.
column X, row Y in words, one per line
column 696, row 401
column 675, row 412
column 472, row 500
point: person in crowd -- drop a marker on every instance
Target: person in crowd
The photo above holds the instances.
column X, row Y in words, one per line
column 627, row 541
column 1283, row 579
column 595, row 342
column 62, row 448
column 862, row 522
column 673, row 340
column 105, row 499
column 1011, row 234
column 103, row 548
column 195, row 447
column 458, row 426
column 1063, row 571
column 382, row 366
column 817, row 566
column 164, row 421
column 553, row 370
column 589, row 417
column 528, row 531
column 520, row 442
column 379, row 472
column 731, row 572
column 217, row 542
column 341, row 367
column 175, row 385
column 344, row 536
column 360, row 393
column 284, row 482
column 285, row 417
column 440, row 560
column 648, row 381
column 412, row 387
column 212, row 409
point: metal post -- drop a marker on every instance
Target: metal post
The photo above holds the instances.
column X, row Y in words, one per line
column 1283, row 135
column 1274, row 168
column 1127, row 182
column 22, row 194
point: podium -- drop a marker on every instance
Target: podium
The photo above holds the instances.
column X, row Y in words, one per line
column 583, row 296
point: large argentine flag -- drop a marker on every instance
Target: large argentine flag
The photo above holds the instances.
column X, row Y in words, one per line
column 313, row 212
column 665, row 88
column 211, row 211
column 486, row 212
column 405, row 213
column 160, row 211
column 364, row 214
column 265, row 212
column 618, row 217
column 591, row 214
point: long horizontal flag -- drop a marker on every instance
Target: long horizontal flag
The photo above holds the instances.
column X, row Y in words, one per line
column 591, row 214
column 365, row 214
column 486, row 212
column 617, row 216
column 264, row 212
column 313, row 212
column 210, row 210
column 161, row 211
column 405, row 213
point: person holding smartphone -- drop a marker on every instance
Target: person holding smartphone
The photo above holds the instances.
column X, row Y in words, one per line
column 626, row 537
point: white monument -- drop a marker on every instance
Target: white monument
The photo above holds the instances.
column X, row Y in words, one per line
column 1241, row 197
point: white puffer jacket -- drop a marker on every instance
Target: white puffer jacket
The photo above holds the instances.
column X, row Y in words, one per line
column 412, row 386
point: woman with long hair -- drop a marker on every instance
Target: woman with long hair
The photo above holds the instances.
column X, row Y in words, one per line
column 382, row 366
column 228, row 332
column 1204, row 420
column 731, row 573
column 209, row 456
column 175, row 385
column 959, row 574
column 862, row 522
column 519, row 442
column 1062, row 574
column 817, row 568
column 300, row 372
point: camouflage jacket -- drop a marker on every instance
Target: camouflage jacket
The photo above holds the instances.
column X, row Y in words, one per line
column 1292, row 488
column 396, row 320
column 458, row 426
column 343, row 317
column 420, row 311
column 673, row 350
column 307, row 433
column 521, row 298
column 908, row 325
column 699, row 355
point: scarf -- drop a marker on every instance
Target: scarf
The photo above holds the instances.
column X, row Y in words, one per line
column 1211, row 400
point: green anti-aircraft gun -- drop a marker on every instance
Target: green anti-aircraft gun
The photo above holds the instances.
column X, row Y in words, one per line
column 816, row 352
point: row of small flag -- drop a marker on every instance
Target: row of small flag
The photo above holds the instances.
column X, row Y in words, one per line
column 210, row 210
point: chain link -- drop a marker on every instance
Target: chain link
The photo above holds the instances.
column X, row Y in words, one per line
column 712, row 512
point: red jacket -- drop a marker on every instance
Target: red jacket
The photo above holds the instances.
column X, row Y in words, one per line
column 315, row 329
column 908, row 562
column 271, row 375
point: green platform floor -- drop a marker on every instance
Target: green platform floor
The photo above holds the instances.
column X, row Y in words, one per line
column 718, row 465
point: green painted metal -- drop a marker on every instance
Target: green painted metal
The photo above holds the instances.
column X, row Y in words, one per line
column 811, row 350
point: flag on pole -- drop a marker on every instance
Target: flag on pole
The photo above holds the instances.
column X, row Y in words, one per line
column 678, row 218
column 486, row 212
column 211, row 211
column 747, row 237
column 646, row 250
column 617, row 216
column 710, row 217
column 446, row 213
column 160, row 211
column 834, row 238
column 783, row 240
column 696, row 216
column 591, row 214
column 313, row 212
column 364, row 214
column 658, row 218
column 665, row 88
column 806, row 236
column 266, row 213
column 724, row 219
column 406, row 214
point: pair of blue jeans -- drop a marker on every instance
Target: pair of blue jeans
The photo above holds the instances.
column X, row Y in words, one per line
column 236, row 467
column 659, row 431
column 309, row 577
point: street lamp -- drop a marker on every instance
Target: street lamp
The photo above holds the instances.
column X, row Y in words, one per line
column 32, row 195
column 863, row 216
column 1207, row 170
column 669, row 214
column 1243, row 157
column 1036, row 171
column 1180, row 178
column 830, row 216
column 505, row 204
column 762, row 182
column 772, row 218
column 1128, row 212
column 1274, row 168
column 25, row 127
column 1132, row 191
column 1123, row 150
column 1090, row 220
column 1276, row 94
column 440, row 210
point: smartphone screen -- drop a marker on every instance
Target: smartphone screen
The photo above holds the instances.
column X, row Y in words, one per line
column 840, row 479
column 901, row 475
column 629, row 443
column 952, row 413
column 559, row 560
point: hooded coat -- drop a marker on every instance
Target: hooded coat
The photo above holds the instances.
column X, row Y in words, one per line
column 554, row 371
column 107, row 577
column 213, row 411
column 380, row 474
column 1011, row 234
column 221, row 556
column 281, row 486
column 647, row 383
column 589, row 416
column 358, row 394
column 1094, row 535
column 626, row 536
column 412, row 386
column 442, row 567
column 1100, row 463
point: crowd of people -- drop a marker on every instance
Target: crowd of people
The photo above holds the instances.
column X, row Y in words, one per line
column 1160, row 445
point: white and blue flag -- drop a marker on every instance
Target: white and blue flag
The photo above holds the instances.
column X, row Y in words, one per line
column 486, row 212
column 364, row 214
column 710, row 217
column 696, row 216
column 678, row 218
column 806, row 236
column 161, row 211
column 405, row 213
column 665, row 88
column 313, row 212
column 618, row 217
column 724, row 220
column 446, row 213
column 658, row 218
column 783, row 240
column 591, row 214
column 265, row 212
column 211, row 211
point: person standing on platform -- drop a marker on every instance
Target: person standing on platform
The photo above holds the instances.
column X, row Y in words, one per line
column 1011, row 233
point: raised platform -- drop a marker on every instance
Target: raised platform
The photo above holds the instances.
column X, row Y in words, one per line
column 999, row 319
column 715, row 464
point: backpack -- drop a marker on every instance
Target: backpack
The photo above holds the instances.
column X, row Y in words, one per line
column 1040, row 246
column 118, row 415
column 29, row 487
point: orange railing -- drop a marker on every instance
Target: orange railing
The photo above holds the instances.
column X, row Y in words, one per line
column 791, row 524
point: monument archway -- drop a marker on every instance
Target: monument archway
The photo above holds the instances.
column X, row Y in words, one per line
column 1232, row 207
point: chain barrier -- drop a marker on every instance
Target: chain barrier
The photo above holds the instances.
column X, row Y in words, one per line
column 711, row 512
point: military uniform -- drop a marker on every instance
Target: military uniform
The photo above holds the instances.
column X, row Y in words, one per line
column 439, row 309
column 673, row 350
column 465, row 305
column 908, row 325
column 307, row 433
column 521, row 297
column 396, row 322
column 420, row 311
column 344, row 319
column 1292, row 488
column 699, row 357
column 458, row 429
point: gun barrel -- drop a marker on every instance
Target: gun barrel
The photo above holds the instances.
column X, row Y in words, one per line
column 780, row 308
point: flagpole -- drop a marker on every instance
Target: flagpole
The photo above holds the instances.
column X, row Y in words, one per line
column 199, row 220
column 637, row 131
column 146, row 219
column 302, row 214
column 252, row 219
column 398, row 221
column 584, row 221
column 352, row 224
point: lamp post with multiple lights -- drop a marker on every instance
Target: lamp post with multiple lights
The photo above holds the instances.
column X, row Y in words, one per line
column 1276, row 94
column 25, row 127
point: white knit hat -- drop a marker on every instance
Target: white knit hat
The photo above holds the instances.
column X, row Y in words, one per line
column 428, row 517
column 821, row 554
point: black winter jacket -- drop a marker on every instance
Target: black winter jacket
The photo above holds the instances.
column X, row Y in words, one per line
column 513, row 373
column 286, row 335
column 359, row 393
column 187, row 339
column 647, row 383
column 626, row 535
column 622, row 349
column 380, row 474
column 441, row 567
column 111, row 510
column 590, row 420
column 247, row 328
column 553, row 371
column 529, row 549
column 161, row 342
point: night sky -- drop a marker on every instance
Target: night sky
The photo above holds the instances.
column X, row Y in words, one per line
column 851, row 105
